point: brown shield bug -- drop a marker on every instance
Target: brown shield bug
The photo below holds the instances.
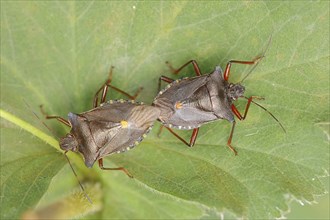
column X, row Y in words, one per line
column 110, row 127
column 189, row 103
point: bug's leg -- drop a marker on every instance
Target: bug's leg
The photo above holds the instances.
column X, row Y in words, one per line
column 228, row 66
column 240, row 117
column 238, row 114
column 194, row 136
column 104, row 90
column 58, row 118
column 133, row 97
column 117, row 168
column 192, row 139
column 230, row 138
column 165, row 79
column 160, row 130
column 177, row 136
column 176, row 71
column 193, row 62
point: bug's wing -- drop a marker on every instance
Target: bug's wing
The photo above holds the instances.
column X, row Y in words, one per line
column 134, row 120
column 189, row 118
column 180, row 91
column 112, row 111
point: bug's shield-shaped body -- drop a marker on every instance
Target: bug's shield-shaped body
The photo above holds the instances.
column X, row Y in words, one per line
column 191, row 102
column 114, row 127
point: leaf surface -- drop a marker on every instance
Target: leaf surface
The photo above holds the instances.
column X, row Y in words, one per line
column 58, row 54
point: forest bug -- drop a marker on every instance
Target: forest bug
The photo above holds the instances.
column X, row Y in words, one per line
column 110, row 127
column 189, row 103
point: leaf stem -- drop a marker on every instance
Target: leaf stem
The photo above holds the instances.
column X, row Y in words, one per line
column 29, row 128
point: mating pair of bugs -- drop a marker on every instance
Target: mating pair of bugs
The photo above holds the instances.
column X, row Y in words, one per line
column 117, row 126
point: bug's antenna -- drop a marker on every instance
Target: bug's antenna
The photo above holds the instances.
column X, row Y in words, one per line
column 261, row 57
column 41, row 121
column 74, row 172
column 51, row 131
column 268, row 113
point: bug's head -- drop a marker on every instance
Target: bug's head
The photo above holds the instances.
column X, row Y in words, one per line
column 235, row 91
column 69, row 142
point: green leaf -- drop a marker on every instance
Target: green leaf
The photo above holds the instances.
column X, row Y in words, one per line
column 58, row 54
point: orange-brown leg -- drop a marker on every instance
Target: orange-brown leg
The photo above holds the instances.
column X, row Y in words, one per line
column 165, row 79
column 238, row 114
column 117, row 168
column 104, row 89
column 240, row 117
column 192, row 139
column 60, row 119
column 230, row 138
column 228, row 66
column 193, row 62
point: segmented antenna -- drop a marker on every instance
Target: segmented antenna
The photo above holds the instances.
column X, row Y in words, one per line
column 74, row 172
column 268, row 113
column 67, row 158
column 262, row 56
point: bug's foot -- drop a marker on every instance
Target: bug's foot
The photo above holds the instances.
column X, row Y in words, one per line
column 172, row 69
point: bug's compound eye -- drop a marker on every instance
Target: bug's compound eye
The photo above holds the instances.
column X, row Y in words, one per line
column 68, row 142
